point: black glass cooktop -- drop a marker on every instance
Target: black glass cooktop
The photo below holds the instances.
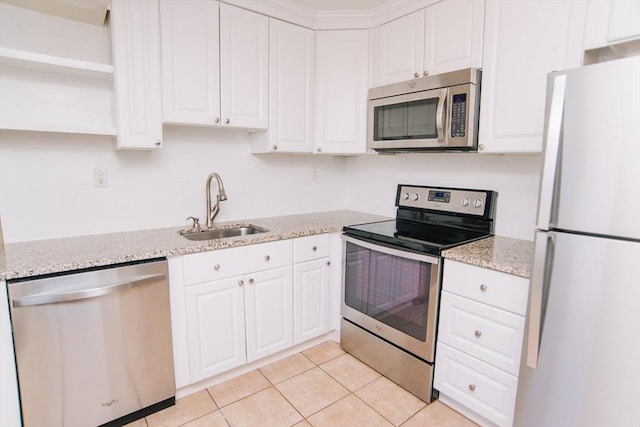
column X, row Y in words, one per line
column 416, row 237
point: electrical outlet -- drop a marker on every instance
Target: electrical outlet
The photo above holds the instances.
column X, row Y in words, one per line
column 100, row 177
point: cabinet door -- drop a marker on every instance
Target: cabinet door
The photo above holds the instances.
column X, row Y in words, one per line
column 291, row 56
column 398, row 49
column 135, row 27
column 215, row 327
column 453, row 36
column 342, row 59
column 523, row 42
column 190, row 61
column 310, row 299
column 244, row 74
column 269, row 313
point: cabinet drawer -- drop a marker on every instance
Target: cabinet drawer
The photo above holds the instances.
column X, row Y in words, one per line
column 488, row 333
column 310, row 247
column 487, row 286
column 482, row 388
column 220, row 264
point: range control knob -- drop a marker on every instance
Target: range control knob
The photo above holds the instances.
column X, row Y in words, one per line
column 405, row 196
column 477, row 203
column 415, row 196
column 464, row 202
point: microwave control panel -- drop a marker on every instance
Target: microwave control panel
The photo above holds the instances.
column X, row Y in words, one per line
column 459, row 115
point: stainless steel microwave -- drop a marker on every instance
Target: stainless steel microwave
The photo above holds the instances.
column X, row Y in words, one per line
column 433, row 113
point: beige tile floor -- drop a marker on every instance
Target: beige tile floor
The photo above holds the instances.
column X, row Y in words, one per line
column 320, row 387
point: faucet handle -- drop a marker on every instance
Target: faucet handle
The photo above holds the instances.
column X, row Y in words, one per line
column 195, row 224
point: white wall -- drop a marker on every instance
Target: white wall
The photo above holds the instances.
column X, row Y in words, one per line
column 372, row 182
column 46, row 182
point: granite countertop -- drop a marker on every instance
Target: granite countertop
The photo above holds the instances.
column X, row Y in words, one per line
column 27, row 259
column 505, row 254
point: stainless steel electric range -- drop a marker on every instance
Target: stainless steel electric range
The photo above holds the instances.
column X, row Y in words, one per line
column 392, row 277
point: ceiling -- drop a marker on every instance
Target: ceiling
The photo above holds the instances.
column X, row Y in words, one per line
column 325, row 5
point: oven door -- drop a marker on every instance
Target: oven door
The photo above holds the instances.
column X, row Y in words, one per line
column 392, row 293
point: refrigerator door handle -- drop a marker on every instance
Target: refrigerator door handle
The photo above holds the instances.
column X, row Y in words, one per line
column 543, row 250
column 553, row 134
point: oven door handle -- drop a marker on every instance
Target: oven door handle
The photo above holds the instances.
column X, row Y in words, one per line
column 394, row 252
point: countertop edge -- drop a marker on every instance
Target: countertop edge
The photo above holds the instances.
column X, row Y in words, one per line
column 504, row 254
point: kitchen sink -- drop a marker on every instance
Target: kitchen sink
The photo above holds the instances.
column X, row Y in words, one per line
column 221, row 233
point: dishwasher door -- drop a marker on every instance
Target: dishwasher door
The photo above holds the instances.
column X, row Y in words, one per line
column 93, row 347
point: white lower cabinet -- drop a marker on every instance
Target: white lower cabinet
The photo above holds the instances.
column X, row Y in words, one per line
column 215, row 327
column 310, row 287
column 238, row 306
column 480, row 334
column 268, row 312
column 235, row 306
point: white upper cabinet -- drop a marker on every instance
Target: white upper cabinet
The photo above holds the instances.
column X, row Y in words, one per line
column 453, row 36
column 342, row 58
column 444, row 37
column 214, row 64
column 135, row 27
column 523, row 42
column 611, row 22
column 244, row 68
column 399, row 49
column 191, row 61
column 291, row 66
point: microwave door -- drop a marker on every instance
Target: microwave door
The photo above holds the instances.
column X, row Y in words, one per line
column 416, row 120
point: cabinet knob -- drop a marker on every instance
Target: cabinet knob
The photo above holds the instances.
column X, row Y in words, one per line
column 477, row 333
column 216, row 120
column 416, row 75
column 314, row 248
column 328, row 263
column 251, row 281
column 216, row 267
column 227, row 121
column 267, row 257
column 240, row 282
column 319, row 149
column 158, row 143
column 472, row 387
column 425, row 73
column 483, row 287
column 274, row 147
column 480, row 147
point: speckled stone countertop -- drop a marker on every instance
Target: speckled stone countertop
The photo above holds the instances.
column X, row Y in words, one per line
column 34, row 258
column 505, row 254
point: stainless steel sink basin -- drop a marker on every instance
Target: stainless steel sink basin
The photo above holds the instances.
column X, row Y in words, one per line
column 221, row 233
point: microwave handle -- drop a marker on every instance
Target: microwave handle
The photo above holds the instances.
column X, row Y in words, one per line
column 441, row 114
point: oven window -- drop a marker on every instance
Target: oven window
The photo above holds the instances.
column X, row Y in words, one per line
column 390, row 289
column 406, row 120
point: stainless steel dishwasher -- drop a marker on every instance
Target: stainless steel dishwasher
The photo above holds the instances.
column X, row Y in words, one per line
column 94, row 347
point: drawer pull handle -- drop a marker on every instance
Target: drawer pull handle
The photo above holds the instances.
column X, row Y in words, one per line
column 478, row 334
column 251, row 281
column 483, row 287
column 240, row 282
column 472, row 387
column 314, row 248
column 216, row 267
column 267, row 257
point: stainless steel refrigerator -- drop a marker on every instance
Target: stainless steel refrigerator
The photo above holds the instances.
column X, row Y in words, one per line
column 582, row 347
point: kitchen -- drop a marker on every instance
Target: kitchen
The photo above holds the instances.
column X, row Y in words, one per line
column 159, row 188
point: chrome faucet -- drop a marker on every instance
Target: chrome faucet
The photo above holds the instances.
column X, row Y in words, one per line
column 220, row 196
